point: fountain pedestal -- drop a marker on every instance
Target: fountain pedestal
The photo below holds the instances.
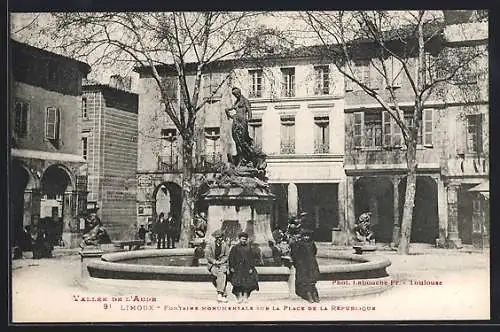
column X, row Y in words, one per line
column 233, row 209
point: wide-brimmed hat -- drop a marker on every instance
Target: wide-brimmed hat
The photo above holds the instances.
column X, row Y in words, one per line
column 217, row 233
column 243, row 234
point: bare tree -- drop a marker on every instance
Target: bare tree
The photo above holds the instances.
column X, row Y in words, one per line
column 187, row 41
column 406, row 45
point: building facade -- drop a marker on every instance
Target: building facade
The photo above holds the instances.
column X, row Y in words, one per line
column 48, row 174
column 108, row 136
column 331, row 150
column 452, row 151
column 297, row 120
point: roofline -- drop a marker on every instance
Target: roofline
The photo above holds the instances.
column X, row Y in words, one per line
column 84, row 67
column 146, row 69
column 106, row 86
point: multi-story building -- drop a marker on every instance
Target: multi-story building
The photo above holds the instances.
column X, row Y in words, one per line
column 108, row 127
column 48, row 174
column 297, row 120
column 452, row 151
column 331, row 150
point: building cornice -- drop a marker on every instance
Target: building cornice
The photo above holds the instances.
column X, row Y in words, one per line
column 320, row 158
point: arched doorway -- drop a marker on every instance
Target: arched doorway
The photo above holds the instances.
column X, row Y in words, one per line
column 22, row 182
column 55, row 208
column 375, row 195
column 168, row 198
column 425, row 225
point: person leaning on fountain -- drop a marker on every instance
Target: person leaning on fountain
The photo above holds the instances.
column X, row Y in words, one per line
column 303, row 253
column 217, row 255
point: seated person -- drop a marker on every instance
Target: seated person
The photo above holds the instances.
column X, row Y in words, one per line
column 362, row 230
column 98, row 235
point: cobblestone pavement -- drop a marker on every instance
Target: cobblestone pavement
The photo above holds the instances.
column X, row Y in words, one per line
column 51, row 290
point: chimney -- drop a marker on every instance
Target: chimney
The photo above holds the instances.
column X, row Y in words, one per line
column 121, row 82
column 457, row 16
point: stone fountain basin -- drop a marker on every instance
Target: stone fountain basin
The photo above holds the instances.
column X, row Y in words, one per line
column 115, row 266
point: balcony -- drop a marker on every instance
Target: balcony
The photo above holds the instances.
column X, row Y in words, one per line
column 169, row 164
column 208, row 163
column 287, row 147
column 321, row 147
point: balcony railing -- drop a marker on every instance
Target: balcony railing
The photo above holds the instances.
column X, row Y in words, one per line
column 287, row 147
column 169, row 164
column 207, row 163
column 321, row 147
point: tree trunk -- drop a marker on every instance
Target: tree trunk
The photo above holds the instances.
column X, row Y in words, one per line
column 188, row 193
column 411, row 186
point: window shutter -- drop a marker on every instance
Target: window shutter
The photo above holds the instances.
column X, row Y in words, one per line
column 396, row 134
column 386, row 125
column 479, row 133
column 461, row 135
column 21, row 119
column 52, row 123
column 206, row 85
column 427, row 127
column 358, row 129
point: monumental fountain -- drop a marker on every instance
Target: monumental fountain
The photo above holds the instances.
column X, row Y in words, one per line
column 239, row 199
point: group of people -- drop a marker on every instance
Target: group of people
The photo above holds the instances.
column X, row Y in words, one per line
column 40, row 238
column 165, row 227
column 235, row 264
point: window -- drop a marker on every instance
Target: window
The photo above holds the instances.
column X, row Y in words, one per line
column 84, row 107
column 373, row 129
column 52, row 123
column 322, row 134
column 212, row 145
column 322, row 84
column 362, row 72
column 358, row 130
column 256, row 82
column 84, row 147
column 288, row 82
column 395, row 72
column 170, row 84
column 212, row 85
column 408, row 116
column 167, row 161
column 256, row 132
column 474, row 133
column 287, row 145
column 427, row 127
column 21, row 117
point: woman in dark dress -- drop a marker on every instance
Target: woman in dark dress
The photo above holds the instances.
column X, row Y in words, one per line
column 303, row 252
column 243, row 274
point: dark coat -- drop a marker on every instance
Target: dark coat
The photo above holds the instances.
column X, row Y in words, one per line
column 303, row 253
column 160, row 227
column 171, row 226
column 243, row 275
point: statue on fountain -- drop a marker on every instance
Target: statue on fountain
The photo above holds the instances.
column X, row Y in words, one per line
column 249, row 161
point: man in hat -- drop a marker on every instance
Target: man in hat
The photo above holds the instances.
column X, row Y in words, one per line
column 244, row 276
column 303, row 254
column 217, row 255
